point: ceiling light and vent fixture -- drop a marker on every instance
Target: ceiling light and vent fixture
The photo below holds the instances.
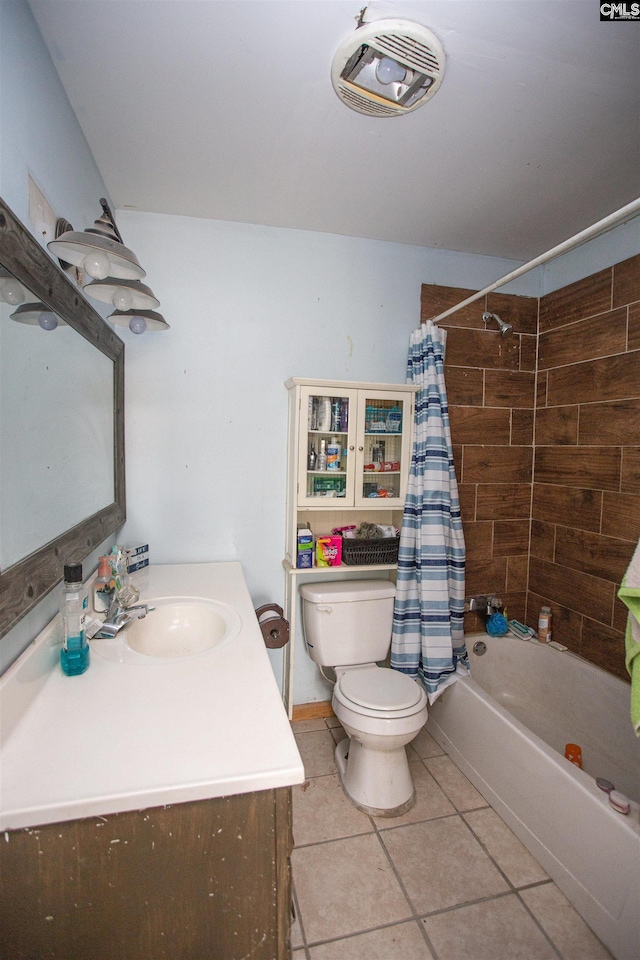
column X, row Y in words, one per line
column 388, row 67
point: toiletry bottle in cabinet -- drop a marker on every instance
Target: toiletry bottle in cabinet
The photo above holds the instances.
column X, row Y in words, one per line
column 74, row 656
column 321, row 462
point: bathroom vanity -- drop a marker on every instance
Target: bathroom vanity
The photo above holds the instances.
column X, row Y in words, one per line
column 146, row 804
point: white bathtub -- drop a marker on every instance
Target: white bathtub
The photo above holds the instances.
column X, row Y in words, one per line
column 506, row 727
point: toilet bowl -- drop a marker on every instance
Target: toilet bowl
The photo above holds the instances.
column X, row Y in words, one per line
column 347, row 626
column 382, row 711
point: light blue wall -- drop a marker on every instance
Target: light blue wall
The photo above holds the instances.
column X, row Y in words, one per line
column 39, row 136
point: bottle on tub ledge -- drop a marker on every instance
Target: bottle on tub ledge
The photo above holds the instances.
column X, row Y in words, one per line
column 544, row 625
column 74, row 656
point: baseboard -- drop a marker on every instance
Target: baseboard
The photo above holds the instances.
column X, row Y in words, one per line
column 312, row 711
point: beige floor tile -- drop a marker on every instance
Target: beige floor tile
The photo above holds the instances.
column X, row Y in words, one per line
column 404, row 941
column 563, row 924
column 346, row 886
column 338, row 733
column 502, row 844
column 441, row 864
column 316, row 749
column 298, row 955
column 297, row 940
column 430, row 801
column 306, row 726
column 461, row 792
column 321, row 811
column 425, row 746
column 493, row 930
column 332, row 722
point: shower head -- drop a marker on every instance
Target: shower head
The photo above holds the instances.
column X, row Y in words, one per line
column 505, row 328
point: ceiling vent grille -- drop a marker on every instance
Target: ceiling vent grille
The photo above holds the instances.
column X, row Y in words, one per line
column 388, row 68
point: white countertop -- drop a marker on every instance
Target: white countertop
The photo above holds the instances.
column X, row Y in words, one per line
column 127, row 736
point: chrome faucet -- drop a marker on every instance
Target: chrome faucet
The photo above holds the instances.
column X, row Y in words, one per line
column 119, row 615
column 487, row 604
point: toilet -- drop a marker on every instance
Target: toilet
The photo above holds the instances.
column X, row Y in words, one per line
column 347, row 626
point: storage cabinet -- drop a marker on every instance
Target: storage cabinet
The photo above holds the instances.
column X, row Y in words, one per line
column 208, row 879
column 365, row 430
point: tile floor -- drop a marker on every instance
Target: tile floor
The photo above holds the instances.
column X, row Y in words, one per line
column 446, row 881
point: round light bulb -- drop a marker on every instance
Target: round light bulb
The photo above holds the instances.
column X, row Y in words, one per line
column 12, row 292
column 137, row 324
column 389, row 71
column 97, row 265
column 47, row 320
column 122, row 299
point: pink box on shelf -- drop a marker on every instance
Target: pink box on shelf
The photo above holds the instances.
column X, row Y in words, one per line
column 328, row 551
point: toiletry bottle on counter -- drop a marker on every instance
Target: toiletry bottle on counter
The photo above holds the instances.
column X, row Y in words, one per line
column 321, row 462
column 103, row 586
column 544, row 625
column 74, row 656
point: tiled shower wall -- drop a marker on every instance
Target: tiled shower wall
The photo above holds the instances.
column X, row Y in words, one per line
column 551, row 518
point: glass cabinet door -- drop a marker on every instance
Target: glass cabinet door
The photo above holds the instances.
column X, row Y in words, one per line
column 383, row 449
column 326, row 465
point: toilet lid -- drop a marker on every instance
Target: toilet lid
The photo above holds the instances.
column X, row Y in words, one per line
column 380, row 689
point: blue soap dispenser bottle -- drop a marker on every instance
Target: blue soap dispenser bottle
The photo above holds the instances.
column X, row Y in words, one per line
column 74, row 656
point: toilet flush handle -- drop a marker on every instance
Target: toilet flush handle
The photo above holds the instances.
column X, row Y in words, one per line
column 324, row 608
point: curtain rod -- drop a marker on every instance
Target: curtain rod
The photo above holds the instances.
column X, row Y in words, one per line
column 601, row 226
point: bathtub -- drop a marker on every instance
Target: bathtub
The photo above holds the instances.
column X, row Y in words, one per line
column 506, row 727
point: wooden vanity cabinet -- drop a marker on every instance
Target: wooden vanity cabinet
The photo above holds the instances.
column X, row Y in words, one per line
column 207, row 880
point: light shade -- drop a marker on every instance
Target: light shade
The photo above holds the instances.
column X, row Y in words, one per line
column 98, row 250
column 136, row 295
column 39, row 314
column 154, row 321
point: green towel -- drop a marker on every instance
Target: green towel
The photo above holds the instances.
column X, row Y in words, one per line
column 629, row 593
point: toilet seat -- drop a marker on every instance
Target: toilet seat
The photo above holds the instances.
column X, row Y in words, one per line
column 380, row 692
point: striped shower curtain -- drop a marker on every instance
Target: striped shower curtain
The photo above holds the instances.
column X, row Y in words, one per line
column 428, row 637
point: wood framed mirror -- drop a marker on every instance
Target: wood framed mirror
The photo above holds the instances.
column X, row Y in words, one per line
column 62, row 463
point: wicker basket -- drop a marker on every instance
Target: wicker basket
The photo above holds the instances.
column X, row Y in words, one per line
column 356, row 551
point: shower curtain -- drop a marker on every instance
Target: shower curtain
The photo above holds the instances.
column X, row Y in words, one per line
column 428, row 640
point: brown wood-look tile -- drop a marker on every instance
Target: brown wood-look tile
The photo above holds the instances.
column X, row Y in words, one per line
column 604, row 557
column 616, row 423
column 503, row 501
column 542, row 388
column 528, row 353
column 435, row 299
column 603, row 646
column 630, row 478
column 576, row 301
column 543, row 539
column 465, row 385
column 467, row 496
column 482, row 348
column 510, row 538
column 596, row 468
column 620, row 615
column 610, row 378
column 507, row 388
column 569, row 506
column 517, row 574
column 521, row 427
column 480, row 424
column 515, row 604
column 571, row 588
column 490, row 464
column 589, row 339
column 458, row 452
column 478, row 538
column 520, row 312
column 557, row 425
column 486, row 576
column 633, row 342
column 626, row 281
column 621, row 516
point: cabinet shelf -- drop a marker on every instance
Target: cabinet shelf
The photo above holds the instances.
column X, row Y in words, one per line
column 341, row 568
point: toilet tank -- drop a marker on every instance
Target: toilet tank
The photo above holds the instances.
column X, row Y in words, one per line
column 347, row 621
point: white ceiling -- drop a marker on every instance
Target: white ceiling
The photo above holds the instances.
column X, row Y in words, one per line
column 224, row 109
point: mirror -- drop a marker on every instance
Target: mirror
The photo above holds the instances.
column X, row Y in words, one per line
column 61, row 423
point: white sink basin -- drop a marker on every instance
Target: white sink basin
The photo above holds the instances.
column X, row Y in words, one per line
column 177, row 628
